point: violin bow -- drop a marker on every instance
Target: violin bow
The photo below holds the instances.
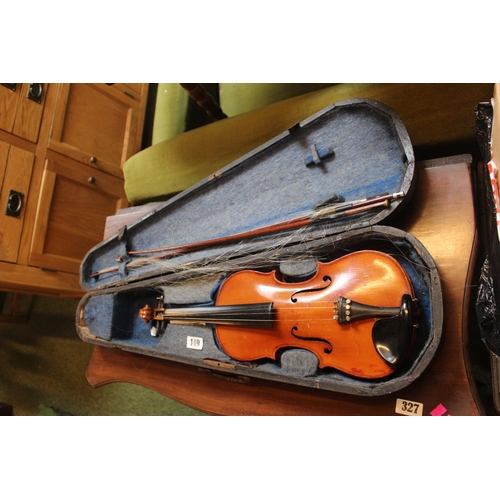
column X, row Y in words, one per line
column 336, row 210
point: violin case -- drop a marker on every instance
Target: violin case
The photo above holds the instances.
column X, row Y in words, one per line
column 352, row 150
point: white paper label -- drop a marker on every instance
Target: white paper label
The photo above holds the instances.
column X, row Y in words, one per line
column 405, row 407
column 195, row 343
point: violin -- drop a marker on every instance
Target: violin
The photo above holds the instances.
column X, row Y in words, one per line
column 356, row 314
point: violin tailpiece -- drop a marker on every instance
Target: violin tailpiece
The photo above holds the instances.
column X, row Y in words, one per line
column 392, row 333
column 346, row 310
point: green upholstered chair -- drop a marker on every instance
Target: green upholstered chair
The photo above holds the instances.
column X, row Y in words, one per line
column 180, row 155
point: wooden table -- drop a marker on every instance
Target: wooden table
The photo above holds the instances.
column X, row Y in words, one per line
column 441, row 216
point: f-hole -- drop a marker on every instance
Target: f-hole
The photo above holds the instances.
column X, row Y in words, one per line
column 326, row 279
column 327, row 350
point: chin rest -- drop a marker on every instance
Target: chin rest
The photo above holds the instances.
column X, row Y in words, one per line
column 393, row 337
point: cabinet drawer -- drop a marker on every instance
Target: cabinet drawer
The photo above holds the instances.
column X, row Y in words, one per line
column 74, row 202
column 95, row 125
column 17, row 165
column 133, row 90
column 21, row 109
column 8, row 106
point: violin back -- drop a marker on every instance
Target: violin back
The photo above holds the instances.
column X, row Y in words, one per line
column 350, row 152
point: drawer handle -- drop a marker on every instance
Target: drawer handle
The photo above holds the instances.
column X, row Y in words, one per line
column 11, row 86
column 35, row 92
column 14, row 203
column 93, row 159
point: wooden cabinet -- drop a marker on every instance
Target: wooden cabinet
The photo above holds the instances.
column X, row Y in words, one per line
column 96, row 125
column 21, row 108
column 81, row 199
column 62, row 147
column 17, row 167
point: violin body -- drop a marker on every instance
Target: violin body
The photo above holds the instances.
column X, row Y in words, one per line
column 355, row 314
column 304, row 313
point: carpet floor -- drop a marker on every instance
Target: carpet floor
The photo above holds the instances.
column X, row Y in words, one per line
column 42, row 370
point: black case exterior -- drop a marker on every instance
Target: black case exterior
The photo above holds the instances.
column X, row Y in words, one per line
column 351, row 150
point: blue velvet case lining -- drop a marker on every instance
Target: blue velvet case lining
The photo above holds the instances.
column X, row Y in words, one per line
column 372, row 155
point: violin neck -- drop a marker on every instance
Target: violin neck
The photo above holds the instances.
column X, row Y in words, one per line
column 249, row 315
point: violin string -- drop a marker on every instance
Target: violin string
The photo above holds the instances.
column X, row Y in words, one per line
column 284, row 313
column 222, row 265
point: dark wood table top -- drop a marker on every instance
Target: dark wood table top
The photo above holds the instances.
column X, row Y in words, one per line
column 441, row 216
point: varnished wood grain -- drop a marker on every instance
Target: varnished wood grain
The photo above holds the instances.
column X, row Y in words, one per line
column 4, row 153
column 29, row 115
column 37, row 281
column 8, row 107
column 17, row 177
column 99, row 122
column 41, row 252
column 67, row 228
column 441, row 216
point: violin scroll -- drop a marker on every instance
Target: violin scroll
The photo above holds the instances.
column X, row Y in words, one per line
column 146, row 314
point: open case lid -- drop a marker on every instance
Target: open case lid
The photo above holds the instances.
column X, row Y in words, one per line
column 352, row 150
